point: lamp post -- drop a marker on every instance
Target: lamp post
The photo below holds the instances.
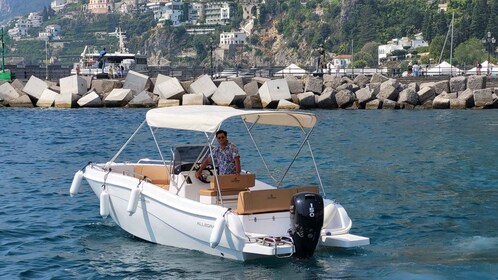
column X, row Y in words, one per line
column 490, row 43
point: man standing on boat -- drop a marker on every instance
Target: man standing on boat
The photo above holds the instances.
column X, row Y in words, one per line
column 226, row 157
column 101, row 58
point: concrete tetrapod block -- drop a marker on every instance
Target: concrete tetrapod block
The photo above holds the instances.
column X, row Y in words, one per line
column 73, row 84
column 441, row 101
column 314, row 85
column 286, row 105
column 47, row 98
column 92, row 99
column 193, row 99
column 66, row 100
column 160, row 79
column 8, row 92
column 203, row 85
column 251, row 88
column 169, row 89
column 118, row 97
column 142, row 100
column 102, row 86
column 35, row 87
column 168, row 102
column 228, row 93
column 136, row 82
column 408, row 95
column 326, row 100
column 21, row 101
column 253, row 102
column 458, row 83
column 483, row 97
column 271, row 92
column 306, row 100
column 18, row 85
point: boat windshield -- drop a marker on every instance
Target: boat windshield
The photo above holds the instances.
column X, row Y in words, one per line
column 185, row 156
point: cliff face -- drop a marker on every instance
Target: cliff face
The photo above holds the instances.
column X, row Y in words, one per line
column 346, row 9
column 4, row 6
column 12, row 8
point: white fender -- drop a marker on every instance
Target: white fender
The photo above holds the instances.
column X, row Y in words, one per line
column 328, row 213
column 75, row 185
column 133, row 202
column 235, row 226
column 104, row 204
column 219, row 227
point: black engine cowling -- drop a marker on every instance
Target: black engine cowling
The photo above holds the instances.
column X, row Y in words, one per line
column 307, row 221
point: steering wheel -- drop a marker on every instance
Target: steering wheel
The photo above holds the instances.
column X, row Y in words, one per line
column 206, row 173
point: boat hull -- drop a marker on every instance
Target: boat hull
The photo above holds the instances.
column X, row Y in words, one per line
column 164, row 218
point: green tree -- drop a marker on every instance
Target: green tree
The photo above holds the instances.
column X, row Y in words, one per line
column 436, row 46
column 479, row 19
column 493, row 18
column 372, row 49
column 469, row 52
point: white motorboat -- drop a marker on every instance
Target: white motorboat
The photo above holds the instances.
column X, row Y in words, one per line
column 232, row 216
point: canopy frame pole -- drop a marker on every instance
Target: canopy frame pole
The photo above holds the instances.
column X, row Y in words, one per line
column 210, row 140
column 316, row 169
column 157, row 145
column 257, row 148
column 127, row 142
column 295, row 156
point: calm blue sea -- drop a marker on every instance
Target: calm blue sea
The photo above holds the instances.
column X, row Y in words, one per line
column 423, row 185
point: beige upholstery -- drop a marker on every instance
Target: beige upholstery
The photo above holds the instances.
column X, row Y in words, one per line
column 157, row 174
column 233, row 181
column 230, row 184
column 263, row 201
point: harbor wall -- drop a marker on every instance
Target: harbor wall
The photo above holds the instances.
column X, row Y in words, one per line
column 288, row 92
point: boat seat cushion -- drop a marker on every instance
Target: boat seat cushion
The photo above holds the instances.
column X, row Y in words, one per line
column 158, row 174
column 264, row 201
column 233, row 182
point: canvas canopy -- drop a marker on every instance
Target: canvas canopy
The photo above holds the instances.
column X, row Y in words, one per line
column 209, row 118
column 484, row 69
column 292, row 69
column 444, row 68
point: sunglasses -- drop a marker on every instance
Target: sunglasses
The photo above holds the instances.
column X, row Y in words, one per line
column 221, row 137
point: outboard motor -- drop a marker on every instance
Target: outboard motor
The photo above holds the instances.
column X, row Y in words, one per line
column 307, row 220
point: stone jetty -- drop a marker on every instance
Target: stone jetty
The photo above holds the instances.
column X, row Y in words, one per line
column 287, row 92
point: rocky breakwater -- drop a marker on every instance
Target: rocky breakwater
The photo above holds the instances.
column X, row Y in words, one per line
column 289, row 92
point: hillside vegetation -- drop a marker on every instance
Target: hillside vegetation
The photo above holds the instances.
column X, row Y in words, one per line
column 286, row 32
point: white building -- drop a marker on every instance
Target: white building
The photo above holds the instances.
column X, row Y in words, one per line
column 213, row 12
column 51, row 32
column 405, row 43
column 58, row 5
column 232, row 38
column 35, row 19
column 167, row 11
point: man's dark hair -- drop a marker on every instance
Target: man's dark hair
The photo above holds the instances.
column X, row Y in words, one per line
column 221, row 131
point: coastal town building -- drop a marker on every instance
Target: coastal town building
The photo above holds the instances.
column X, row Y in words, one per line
column 213, row 13
column 100, row 6
column 22, row 25
column 405, row 43
column 51, row 32
column 171, row 11
column 230, row 44
column 343, row 60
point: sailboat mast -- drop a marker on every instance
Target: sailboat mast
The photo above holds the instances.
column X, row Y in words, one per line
column 451, row 44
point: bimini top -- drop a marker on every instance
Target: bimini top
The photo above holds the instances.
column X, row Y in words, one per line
column 209, row 118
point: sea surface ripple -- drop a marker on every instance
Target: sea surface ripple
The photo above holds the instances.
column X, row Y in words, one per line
column 421, row 184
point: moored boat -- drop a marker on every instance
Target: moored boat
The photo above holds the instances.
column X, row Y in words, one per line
column 233, row 216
